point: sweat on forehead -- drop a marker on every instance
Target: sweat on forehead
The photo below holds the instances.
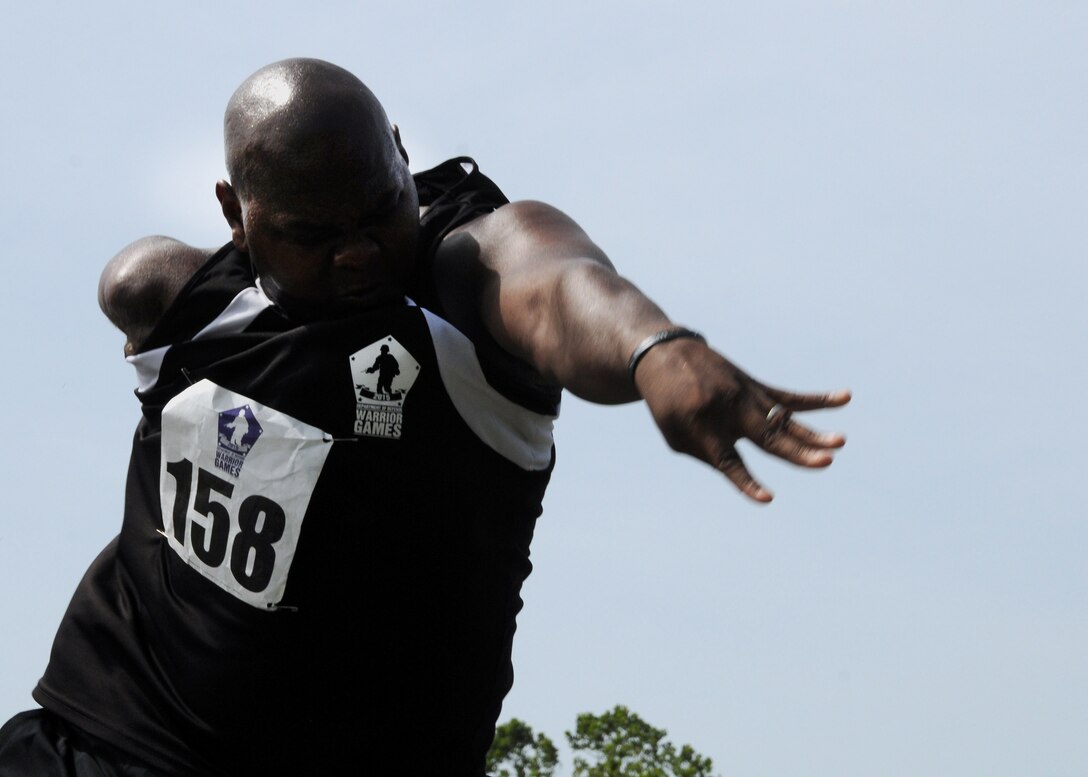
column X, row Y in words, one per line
column 303, row 112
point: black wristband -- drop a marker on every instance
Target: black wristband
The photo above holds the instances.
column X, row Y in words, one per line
column 656, row 339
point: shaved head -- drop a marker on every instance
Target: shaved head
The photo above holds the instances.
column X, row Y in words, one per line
column 295, row 116
column 320, row 196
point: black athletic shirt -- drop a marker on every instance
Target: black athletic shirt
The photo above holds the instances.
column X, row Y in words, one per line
column 326, row 530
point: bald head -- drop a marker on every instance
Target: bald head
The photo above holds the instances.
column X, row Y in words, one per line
column 299, row 116
column 321, row 197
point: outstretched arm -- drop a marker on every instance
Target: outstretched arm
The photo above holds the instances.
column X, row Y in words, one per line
column 550, row 297
column 142, row 280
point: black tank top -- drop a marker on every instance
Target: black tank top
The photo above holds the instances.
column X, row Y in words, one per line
column 326, row 531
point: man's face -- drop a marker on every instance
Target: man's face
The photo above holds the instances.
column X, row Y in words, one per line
column 333, row 232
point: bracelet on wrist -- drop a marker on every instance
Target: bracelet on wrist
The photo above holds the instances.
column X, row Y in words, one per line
column 664, row 336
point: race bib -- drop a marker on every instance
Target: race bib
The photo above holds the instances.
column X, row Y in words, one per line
column 235, row 481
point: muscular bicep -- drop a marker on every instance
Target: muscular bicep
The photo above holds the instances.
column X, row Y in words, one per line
column 529, row 235
column 502, row 274
column 142, row 281
column 536, row 257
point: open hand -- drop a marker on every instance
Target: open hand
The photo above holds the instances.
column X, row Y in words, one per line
column 704, row 404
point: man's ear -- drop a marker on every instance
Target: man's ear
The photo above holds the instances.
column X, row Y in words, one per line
column 232, row 212
column 400, row 146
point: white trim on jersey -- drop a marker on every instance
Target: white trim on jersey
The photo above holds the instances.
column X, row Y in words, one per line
column 512, row 431
column 234, row 318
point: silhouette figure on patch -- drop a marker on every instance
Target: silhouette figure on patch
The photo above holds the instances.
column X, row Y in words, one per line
column 387, row 368
column 239, row 429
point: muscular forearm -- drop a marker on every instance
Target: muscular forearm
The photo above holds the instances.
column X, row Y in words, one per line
column 587, row 329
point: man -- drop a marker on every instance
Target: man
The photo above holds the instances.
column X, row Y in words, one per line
column 266, row 609
column 387, row 368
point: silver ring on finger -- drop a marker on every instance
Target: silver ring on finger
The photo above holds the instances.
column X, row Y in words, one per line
column 778, row 416
column 777, row 419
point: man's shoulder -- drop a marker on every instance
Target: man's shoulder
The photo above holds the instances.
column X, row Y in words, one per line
column 457, row 199
column 142, row 281
column 514, row 220
column 520, row 235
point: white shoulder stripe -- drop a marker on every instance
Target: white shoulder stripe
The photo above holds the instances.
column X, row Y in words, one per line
column 515, row 433
column 234, row 318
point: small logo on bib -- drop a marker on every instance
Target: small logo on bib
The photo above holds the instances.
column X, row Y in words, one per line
column 238, row 431
column 382, row 374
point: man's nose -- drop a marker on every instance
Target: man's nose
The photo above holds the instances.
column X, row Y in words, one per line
column 357, row 251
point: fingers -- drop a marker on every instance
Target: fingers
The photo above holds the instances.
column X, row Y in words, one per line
column 785, row 430
column 814, row 439
column 722, row 405
column 731, row 465
column 785, row 440
column 789, row 441
column 793, row 400
column 776, row 432
column 779, row 420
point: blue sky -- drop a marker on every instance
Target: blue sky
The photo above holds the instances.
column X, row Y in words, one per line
column 884, row 196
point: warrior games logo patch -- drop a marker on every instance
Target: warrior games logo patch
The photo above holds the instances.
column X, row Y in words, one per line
column 382, row 373
column 238, row 431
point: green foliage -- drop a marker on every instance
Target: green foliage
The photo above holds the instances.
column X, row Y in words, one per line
column 515, row 752
column 621, row 744
column 617, row 743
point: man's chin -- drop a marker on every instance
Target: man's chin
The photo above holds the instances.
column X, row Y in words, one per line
column 337, row 307
column 371, row 298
